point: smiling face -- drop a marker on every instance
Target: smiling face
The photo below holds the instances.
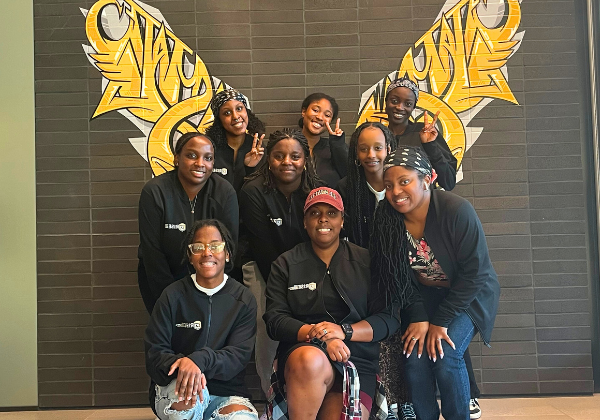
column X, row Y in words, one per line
column 323, row 223
column 399, row 104
column 286, row 161
column 195, row 162
column 371, row 149
column 404, row 190
column 209, row 266
column 234, row 117
column 316, row 116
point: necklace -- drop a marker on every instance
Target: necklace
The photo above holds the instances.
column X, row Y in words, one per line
column 193, row 203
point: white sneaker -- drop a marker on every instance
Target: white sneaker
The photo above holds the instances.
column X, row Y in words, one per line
column 474, row 408
column 263, row 417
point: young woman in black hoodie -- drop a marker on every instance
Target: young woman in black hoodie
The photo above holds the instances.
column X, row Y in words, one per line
column 170, row 203
column 271, row 206
column 238, row 135
column 201, row 334
column 329, row 154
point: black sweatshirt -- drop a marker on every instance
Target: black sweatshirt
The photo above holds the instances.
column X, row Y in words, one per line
column 289, row 309
column 234, row 172
column 438, row 152
column 330, row 156
column 221, row 344
column 274, row 225
column 165, row 218
column 456, row 237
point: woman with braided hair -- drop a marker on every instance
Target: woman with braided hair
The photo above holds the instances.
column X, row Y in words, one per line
column 363, row 189
column 272, row 209
column 429, row 251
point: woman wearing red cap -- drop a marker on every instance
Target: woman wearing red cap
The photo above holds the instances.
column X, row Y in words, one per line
column 324, row 311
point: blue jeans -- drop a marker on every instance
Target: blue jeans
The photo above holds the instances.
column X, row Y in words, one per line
column 450, row 373
column 206, row 410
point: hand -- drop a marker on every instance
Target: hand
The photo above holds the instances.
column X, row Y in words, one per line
column 415, row 333
column 429, row 133
column 337, row 350
column 255, row 154
column 190, row 380
column 434, row 341
column 326, row 331
column 338, row 131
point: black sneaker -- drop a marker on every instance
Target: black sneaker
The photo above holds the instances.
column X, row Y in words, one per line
column 406, row 411
column 474, row 408
column 392, row 412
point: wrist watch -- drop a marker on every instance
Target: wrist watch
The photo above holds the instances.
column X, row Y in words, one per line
column 347, row 328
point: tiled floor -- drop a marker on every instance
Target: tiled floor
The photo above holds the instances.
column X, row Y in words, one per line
column 543, row 408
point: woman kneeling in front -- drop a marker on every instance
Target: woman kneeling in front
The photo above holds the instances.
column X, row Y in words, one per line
column 201, row 335
column 325, row 311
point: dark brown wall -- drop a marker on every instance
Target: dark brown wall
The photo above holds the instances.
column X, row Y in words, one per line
column 524, row 176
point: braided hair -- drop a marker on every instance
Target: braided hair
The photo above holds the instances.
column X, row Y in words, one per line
column 310, row 179
column 219, row 135
column 389, row 255
column 359, row 204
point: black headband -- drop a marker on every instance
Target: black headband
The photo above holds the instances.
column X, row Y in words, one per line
column 403, row 82
column 227, row 95
column 409, row 156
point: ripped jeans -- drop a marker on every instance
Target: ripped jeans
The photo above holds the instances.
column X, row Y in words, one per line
column 208, row 409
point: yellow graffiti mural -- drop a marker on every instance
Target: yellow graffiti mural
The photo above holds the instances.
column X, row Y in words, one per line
column 164, row 88
column 149, row 73
column 461, row 63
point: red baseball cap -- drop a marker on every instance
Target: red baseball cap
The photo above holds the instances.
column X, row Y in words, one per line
column 324, row 195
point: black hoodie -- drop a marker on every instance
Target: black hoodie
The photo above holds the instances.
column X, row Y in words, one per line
column 274, row 224
column 216, row 332
column 165, row 219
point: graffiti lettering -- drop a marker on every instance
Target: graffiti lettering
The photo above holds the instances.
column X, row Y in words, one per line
column 460, row 64
column 149, row 75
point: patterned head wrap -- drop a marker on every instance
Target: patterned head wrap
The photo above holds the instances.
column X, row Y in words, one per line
column 411, row 157
column 227, row 95
column 403, row 82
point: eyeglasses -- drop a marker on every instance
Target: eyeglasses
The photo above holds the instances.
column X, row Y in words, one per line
column 214, row 247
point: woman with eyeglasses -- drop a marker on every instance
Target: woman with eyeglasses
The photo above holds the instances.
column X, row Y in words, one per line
column 170, row 204
column 201, row 335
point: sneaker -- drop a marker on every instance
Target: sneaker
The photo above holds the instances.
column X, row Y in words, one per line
column 391, row 412
column 263, row 417
column 407, row 412
column 474, row 408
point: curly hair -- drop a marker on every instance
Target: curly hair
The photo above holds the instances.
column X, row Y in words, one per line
column 317, row 96
column 359, row 204
column 225, row 235
column 388, row 246
column 310, row 179
column 218, row 133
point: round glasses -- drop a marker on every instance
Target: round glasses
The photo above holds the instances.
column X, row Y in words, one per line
column 214, row 247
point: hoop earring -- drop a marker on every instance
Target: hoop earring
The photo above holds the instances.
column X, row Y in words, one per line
column 357, row 163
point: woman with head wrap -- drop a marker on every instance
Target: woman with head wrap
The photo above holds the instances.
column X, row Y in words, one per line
column 329, row 154
column 400, row 100
column 238, row 136
column 429, row 250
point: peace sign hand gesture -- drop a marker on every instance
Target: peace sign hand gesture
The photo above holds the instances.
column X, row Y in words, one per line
column 254, row 156
column 338, row 131
column 429, row 133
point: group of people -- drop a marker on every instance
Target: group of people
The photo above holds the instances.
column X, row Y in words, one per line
column 345, row 264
